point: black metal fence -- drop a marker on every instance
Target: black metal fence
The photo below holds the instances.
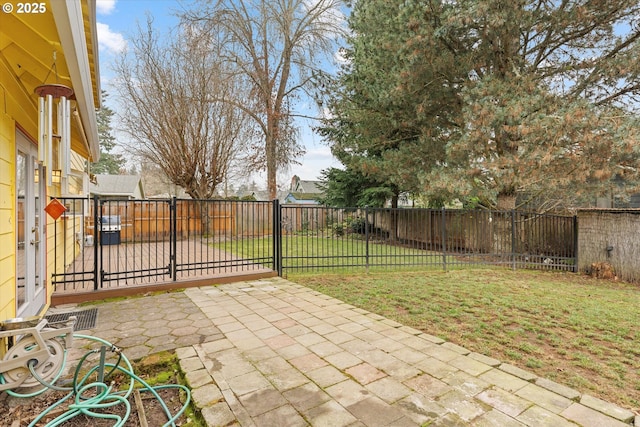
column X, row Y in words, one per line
column 101, row 243
column 320, row 238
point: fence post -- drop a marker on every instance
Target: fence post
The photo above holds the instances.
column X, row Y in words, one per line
column 277, row 236
column 444, row 239
column 96, row 242
column 98, row 227
column 513, row 239
column 366, row 237
column 173, row 237
column 575, row 243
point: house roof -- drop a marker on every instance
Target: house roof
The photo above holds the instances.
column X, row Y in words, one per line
column 305, row 186
column 304, row 196
column 117, row 185
column 64, row 35
column 310, row 187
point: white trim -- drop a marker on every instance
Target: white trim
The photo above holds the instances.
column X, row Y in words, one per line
column 70, row 24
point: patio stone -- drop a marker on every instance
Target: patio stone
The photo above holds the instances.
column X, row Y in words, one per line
column 537, row 416
column 330, row 414
column 436, row 368
column 218, row 415
column 191, row 364
column 284, row 416
column 348, row 392
column 388, row 389
column 206, row 395
column 504, row 402
column 520, row 373
column 198, row 378
column 469, row 365
column 495, row 418
column 544, row 398
column 343, row 360
column 185, row 330
column 326, row 376
column 607, row 408
column 261, row 401
column 374, row 411
column 560, row 389
column 247, row 383
column 308, row 362
column 588, row 417
column 306, row 396
column 421, row 409
column 270, row 352
column 364, row 373
column 503, row 380
column 428, row 386
column 466, row 409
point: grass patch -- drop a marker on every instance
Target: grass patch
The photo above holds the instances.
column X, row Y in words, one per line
column 342, row 255
column 572, row 329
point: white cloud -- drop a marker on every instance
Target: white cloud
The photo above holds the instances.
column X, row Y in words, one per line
column 105, row 7
column 109, row 40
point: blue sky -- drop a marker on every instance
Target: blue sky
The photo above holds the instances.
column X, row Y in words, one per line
column 117, row 20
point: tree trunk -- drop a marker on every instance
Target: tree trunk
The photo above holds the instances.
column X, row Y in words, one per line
column 272, row 160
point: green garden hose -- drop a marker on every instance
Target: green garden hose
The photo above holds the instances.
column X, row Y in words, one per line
column 90, row 398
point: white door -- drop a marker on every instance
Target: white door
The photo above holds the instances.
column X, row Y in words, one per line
column 30, row 247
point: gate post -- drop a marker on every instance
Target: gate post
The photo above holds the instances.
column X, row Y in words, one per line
column 173, row 239
column 366, row 236
column 575, row 244
column 444, row 238
column 277, row 236
column 96, row 241
column 513, row 239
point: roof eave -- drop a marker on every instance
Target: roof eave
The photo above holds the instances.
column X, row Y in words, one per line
column 70, row 22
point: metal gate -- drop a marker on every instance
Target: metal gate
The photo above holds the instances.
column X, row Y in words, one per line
column 106, row 243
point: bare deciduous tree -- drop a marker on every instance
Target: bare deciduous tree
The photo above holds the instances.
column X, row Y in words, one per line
column 277, row 46
column 169, row 111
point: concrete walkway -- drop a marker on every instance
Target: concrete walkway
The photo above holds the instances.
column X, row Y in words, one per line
column 273, row 353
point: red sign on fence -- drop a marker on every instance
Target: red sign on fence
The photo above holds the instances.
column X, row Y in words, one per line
column 55, row 209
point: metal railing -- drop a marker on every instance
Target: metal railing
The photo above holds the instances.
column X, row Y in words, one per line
column 321, row 238
column 101, row 243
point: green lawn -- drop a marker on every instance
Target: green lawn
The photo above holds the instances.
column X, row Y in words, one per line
column 336, row 254
column 572, row 329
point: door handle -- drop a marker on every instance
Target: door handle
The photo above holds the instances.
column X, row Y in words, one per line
column 33, row 242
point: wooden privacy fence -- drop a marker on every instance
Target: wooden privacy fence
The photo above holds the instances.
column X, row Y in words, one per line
column 143, row 220
column 479, row 231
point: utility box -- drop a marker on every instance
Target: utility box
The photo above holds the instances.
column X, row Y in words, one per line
column 110, row 229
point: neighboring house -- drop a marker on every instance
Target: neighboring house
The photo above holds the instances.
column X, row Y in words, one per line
column 49, row 94
column 303, row 192
column 117, row 187
column 302, row 198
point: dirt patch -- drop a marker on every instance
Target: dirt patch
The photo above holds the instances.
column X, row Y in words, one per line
column 21, row 412
column 145, row 407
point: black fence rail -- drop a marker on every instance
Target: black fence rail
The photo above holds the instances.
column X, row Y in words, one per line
column 102, row 243
column 320, row 238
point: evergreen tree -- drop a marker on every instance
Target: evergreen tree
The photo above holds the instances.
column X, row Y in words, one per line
column 390, row 116
column 109, row 163
column 489, row 99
